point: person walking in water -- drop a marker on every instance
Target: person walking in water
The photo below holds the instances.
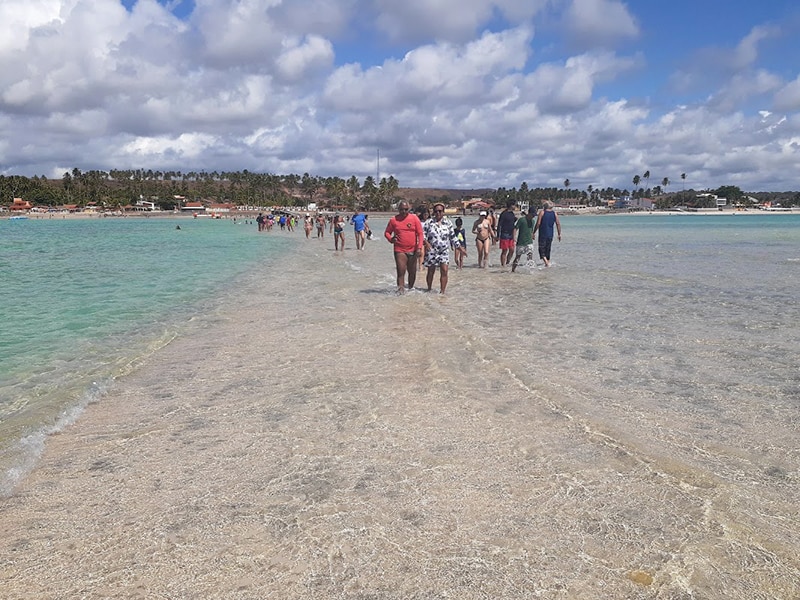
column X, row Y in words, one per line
column 505, row 231
column 404, row 232
column 460, row 243
column 524, row 227
column 546, row 221
column 484, row 234
column 337, row 226
column 439, row 238
column 360, row 227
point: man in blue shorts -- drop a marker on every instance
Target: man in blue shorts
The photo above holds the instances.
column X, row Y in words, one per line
column 359, row 221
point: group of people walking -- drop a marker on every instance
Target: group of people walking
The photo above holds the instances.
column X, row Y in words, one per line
column 427, row 242
column 424, row 240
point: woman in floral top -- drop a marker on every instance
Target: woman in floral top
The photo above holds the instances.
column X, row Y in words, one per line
column 439, row 238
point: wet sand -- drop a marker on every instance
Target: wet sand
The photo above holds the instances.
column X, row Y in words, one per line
column 350, row 451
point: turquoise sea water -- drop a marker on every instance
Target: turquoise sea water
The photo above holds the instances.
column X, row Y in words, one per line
column 83, row 300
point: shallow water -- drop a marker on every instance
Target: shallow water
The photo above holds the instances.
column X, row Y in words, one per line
column 86, row 299
column 623, row 424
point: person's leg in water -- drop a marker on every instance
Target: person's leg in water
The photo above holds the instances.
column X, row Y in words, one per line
column 544, row 250
column 411, row 259
column 443, row 277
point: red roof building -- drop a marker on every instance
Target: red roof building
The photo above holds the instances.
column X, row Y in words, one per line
column 20, row 204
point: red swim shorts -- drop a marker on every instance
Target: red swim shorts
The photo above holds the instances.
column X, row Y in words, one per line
column 506, row 244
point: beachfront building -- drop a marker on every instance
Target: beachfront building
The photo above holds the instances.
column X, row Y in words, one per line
column 193, row 207
column 224, row 207
column 144, row 206
column 642, row 204
column 719, row 202
column 20, row 205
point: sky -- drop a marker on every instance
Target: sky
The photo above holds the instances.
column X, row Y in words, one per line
column 459, row 94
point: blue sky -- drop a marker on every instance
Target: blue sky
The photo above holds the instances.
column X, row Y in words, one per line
column 455, row 93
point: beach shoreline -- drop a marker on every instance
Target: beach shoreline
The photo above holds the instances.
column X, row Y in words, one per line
column 299, row 211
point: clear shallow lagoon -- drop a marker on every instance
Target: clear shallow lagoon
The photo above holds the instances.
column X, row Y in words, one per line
column 623, row 424
column 84, row 299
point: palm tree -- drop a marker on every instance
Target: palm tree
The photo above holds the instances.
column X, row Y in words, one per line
column 636, row 180
column 566, row 185
column 665, row 182
column 370, row 191
column 646, row 177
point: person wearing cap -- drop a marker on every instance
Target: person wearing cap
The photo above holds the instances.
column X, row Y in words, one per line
column 404, row 232
column 484, row 234
column 524, row 228
column 546, row 221
column 361, row 227
column 439, row 238
column 505, row 231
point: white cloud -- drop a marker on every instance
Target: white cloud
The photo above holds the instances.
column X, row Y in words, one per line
column 186, row 146
column 443, row 20
column 474, row 92
column 298, row 59
column 600, row 22
column 746, row 52
column 788, row 97
column 430, row 74
column 568, row 87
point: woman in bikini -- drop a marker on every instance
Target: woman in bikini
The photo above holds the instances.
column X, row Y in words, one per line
column 337, row 226
column 484, row 234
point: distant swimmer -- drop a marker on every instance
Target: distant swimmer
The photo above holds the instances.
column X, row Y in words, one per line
column 404, row 232
column 177, row 226
column 545, row 223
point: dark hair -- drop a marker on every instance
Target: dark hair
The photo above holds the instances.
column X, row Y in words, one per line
column 459, row 222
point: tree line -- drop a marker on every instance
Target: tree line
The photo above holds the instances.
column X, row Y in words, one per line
column 662, row 199
column 119, row 188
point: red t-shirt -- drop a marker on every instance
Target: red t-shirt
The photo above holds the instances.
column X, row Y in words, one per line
column 407, row 233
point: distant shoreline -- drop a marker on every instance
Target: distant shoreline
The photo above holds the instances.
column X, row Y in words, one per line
column 387, row 214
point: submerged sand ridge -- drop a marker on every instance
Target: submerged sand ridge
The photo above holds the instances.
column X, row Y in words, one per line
column 326, row 439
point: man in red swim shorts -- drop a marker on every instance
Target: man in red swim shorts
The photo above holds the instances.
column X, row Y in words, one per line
column 505, row 230
column 404, row 231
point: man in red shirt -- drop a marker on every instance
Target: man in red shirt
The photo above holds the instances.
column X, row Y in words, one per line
column 404, row 231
